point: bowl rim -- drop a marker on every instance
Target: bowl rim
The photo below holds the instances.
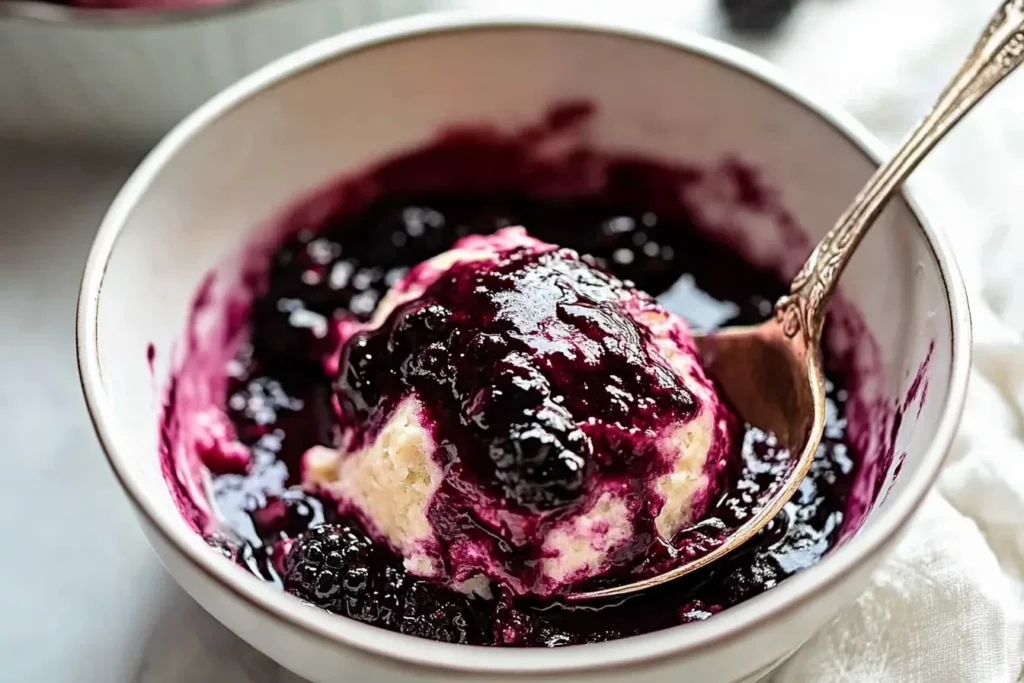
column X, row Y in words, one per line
column 411, row 652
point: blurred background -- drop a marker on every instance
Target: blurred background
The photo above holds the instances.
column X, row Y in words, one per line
column 90, row 601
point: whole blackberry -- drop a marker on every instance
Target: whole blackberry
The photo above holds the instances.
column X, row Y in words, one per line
column 538, row 455
column 434, row 612
column 331, row 566
column 756, row 16
column 541, row 465
column 338, row 568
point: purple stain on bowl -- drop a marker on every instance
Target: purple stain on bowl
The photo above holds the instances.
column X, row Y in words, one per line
column 916, row 394
column 918, row 391
column 261, row 352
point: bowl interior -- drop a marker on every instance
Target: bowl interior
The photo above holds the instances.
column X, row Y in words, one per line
column 209, row 187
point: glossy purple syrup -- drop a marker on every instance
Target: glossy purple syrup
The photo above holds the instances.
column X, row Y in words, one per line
column 279, row 402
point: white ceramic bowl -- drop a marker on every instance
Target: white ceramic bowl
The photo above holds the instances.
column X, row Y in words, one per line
column 295, row 124
column 125, row 77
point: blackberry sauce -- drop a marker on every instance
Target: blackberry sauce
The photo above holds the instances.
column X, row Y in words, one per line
column 339, row 258
column 279, row 403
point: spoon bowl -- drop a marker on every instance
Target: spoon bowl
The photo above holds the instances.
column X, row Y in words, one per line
column 771, row 373
column 747, row 360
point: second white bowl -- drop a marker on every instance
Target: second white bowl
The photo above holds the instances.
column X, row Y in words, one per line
column 125, row 77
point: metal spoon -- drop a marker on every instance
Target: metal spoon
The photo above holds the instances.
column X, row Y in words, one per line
column 771, row 373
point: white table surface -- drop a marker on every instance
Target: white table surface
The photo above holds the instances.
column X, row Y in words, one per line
column 84, row 598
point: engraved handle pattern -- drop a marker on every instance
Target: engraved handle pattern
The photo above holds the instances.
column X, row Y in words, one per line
column 999, row 51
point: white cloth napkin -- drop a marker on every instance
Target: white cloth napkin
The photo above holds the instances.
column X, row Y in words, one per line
column 947, row 606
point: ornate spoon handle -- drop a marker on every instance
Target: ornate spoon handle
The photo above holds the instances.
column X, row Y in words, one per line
column 999, row 51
